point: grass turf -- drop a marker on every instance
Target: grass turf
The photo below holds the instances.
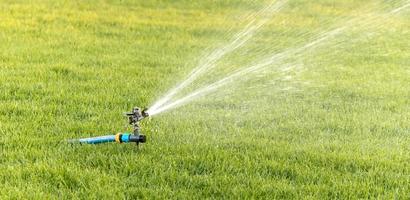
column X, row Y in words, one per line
column 69, row 69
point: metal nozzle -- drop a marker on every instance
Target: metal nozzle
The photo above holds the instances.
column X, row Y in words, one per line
column 144, row 113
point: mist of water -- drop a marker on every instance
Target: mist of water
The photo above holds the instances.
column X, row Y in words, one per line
column 278, row 60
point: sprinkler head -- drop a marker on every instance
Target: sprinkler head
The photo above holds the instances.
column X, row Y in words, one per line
column 134, row 117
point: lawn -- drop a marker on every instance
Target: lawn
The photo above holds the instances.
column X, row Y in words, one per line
column 335, row 127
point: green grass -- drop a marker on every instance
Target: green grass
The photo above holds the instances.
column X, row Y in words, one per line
column 69, row 69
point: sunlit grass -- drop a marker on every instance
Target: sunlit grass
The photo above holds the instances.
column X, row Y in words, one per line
column 70, row 69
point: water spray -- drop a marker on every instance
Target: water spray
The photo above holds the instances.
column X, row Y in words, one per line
column 167, row 103
column 134, row 117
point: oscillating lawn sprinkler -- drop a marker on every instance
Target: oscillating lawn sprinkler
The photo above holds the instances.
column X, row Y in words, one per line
column 134, row 117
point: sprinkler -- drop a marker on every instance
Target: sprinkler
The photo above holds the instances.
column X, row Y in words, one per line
column 134, row 117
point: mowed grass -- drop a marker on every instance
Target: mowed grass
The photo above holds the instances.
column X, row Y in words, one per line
column 69, row 69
